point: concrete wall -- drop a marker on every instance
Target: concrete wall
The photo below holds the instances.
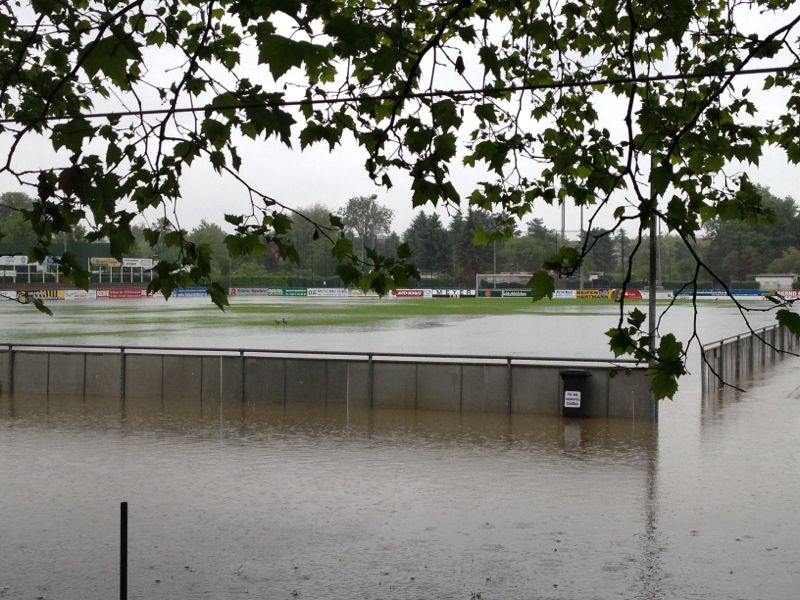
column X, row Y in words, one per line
column 143, row 382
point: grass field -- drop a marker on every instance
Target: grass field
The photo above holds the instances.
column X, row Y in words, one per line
column 303, row 313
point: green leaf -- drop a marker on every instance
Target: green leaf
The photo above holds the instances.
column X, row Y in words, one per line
column 42, row 307
column 217, row 133
column 348, row 273
column 620, row 341
column 485, row 112
column 542, row 285
column 664, row 373
column 789, row 319
column 342, row 249
column 636, row 318
column 445, row 114
column 660, row 178
column 111, row 56
column 70, row 135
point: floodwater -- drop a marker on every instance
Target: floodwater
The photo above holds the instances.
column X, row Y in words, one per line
column 251, row 501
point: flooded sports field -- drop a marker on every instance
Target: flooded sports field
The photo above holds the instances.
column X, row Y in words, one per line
column 231, row 500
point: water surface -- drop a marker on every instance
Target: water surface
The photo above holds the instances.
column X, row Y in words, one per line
column 254, row 501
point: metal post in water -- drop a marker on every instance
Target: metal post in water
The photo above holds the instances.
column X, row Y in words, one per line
column 738, row 360
column 123, row 551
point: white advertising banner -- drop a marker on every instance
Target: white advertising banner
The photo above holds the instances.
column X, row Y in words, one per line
column 327, row 293
column 143, row 263
column 15, row 260
column 80, row 295
column 565, row 294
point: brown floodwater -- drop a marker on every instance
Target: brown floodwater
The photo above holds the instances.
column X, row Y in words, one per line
column 252, row 501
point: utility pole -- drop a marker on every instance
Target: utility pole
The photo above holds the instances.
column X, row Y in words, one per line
column 651, row 303
column 580, row 272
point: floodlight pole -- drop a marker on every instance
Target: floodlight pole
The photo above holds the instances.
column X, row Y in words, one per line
column 651, row 302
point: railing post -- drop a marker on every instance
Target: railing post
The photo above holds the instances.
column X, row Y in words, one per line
column 371, row 381
column 510, row 384
column 243, row 380
column 122, row 373
column 721, row 364
column 703, row 368
column 10, row 369
column 738, row 360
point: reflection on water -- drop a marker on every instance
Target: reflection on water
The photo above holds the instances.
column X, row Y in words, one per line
column 259, row 501
column 262, row 501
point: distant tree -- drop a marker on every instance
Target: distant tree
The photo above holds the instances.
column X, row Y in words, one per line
column 429, row 242
column 603, row 256
column 366, row 220
column 788, row 262
column 13, row 202
column 212, row 237
column 470, row 259
column 741, row 249
column 14, row 228
column 306, row 235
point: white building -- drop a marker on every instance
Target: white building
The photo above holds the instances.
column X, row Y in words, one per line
column 776, row 281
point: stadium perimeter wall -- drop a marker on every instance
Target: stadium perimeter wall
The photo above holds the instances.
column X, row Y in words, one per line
column 491, row 386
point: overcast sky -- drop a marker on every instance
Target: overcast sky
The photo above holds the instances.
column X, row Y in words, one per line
column 299, row 179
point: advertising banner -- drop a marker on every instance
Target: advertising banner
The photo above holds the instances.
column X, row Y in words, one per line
column 356, row 293
column 722, row 294
column 121, row 293
column 404, row 293
column 452, row 293
column 295, row 292
column 102, row 261
column 255, row 291
column 144, row 263
column 484, row 293
column 15, row 260
column 327, row 293
column 517, row 294
column 193, row 292
column 80, row 294
column 25, row 296
column 588, row 294
column 564, row 294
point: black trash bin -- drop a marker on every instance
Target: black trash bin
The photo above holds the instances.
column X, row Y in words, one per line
column 577, row 396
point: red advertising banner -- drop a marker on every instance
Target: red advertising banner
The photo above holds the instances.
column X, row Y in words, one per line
column 121, row 293
column 409, row 293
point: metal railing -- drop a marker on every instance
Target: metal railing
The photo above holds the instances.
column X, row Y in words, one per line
column 248, row 352
column 729, row 359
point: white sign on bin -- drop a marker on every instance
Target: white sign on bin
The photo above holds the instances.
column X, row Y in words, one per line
column 572, row 399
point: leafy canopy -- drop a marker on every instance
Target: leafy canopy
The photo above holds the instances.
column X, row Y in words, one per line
column 561, row 101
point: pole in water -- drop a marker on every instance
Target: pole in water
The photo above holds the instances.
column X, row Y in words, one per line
column 123, row 551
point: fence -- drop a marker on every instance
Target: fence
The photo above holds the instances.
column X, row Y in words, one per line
column 732, row 358
column 514, row 384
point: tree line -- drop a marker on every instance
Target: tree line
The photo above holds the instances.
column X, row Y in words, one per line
column 452, row 254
